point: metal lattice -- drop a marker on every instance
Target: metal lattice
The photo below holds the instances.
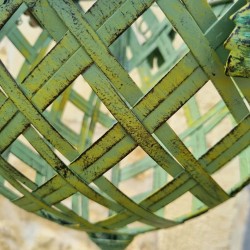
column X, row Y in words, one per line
column 73, row 165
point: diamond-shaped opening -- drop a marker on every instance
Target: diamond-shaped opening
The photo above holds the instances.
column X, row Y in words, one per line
column 80, row 205
column 138, row 178
column 219, row 131
column 27, row 22
column 50, row 171
column 207, row 97
column 24, row 45
column 24, row 158
column 136, row 174
column 244, row 158
column 32, row 31
column 97, row 212
column 67, row 202
column 114, row 175
column 178, row 121
column 55, row 110
column 25, row 142
column 77, row 203
column 202, row 121
column 11, row 188
column 229, row 175
column 99, row 131
column 134, row 156
column 50, row 46
column 178, row 42
column 139, row 167
column 219, row 7
column 79, row 115
column 86, row 207
column 192, row 118
column 101, row 126
column 12, row 57
column 24, row 151
column 179, row 207
column 161, row 178
column 149, row 48
column 3, row 50
column 38, row 41
column 72, row 117
column 87, row 4
column 140, row 184
column 99, row 190
column 109, row 117
column 23, row 168
column 81, row 87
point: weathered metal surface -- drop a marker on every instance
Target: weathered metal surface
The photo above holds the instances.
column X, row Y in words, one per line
column 93, row 45
column 238, row 43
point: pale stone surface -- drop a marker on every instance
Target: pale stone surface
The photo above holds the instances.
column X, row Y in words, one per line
column 20, row 230
column 222, row 228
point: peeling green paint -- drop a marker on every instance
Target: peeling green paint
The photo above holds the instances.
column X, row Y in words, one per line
column 238, row 43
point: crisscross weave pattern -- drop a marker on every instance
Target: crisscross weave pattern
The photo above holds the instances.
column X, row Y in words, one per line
column 67, row 167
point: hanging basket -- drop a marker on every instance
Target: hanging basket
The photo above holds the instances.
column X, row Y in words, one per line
column 86, row 59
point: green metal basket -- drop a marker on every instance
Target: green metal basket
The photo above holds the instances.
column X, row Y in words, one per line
column 86, row 58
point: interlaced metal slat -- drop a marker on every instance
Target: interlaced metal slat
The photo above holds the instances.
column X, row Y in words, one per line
column 91, row 48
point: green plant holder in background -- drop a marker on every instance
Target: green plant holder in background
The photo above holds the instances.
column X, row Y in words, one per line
column 238, row 43
column 98, row 49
